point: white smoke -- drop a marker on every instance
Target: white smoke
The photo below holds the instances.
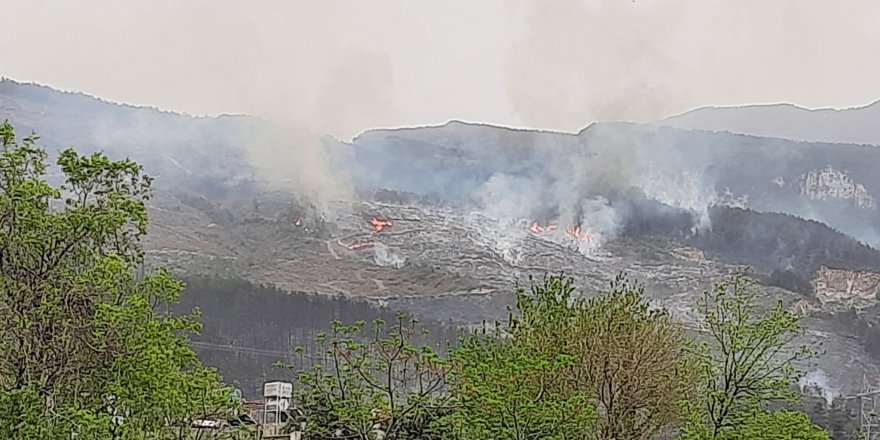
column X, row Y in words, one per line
column 509, row 197
column 601, row 218
column 383, row 256
column 686, row 190
column 817, row 383
column 505, row 238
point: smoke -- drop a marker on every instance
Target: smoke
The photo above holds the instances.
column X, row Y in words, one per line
column 303, row 164
column 356, row 89
column 512, row 197
column 613, row 77
column 817, row 383
column 383, row 256
column 586, row 181
column 686, row 190
column 602, row 218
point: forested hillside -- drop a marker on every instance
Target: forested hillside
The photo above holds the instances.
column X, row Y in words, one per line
column 248, row 327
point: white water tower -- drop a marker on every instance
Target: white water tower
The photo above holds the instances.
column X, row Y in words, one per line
column 277, row 400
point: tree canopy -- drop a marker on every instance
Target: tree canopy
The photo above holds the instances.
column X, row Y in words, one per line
column 86, row 348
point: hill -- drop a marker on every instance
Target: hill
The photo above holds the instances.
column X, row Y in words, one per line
column 856, row 125
column 444, row 221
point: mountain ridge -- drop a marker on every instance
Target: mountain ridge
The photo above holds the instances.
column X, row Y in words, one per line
column 640, row 190
column 852, row 125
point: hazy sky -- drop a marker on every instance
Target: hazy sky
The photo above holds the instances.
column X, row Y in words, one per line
column 344, row 66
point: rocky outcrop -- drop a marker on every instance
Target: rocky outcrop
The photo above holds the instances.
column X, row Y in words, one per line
column 804, row 307
column 846, row 289
column 836, row 184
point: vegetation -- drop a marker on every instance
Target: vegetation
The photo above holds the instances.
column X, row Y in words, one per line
column 748, row 361
column 86, row 349
column 609, row 367
column 503, row 389
column 247, row 327
column 865, row 325
column 91, row 348
column 782, row 242
column 630, row 359
column 789, row 248
column 354, row 384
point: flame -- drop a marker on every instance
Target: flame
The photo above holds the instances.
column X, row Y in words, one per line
column 298, row 222
column 538, row 228
column 584, row 234
column 361, row 245
column 575, row 231
column 357, row 245
column 380, row 223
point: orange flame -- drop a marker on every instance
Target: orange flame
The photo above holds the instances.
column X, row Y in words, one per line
column 581, row 235
column 380, row 223
column 538, row 228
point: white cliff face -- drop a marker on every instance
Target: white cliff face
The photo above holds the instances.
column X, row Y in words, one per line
column 836, row 184
column 846, row 289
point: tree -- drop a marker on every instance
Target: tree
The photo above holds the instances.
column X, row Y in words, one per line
column 635, row 358
column 85, row 345
column 504, row 390
column 364, row 384
column 763, row 425
column 632, row 359
column 614, row 352
column 749, row 359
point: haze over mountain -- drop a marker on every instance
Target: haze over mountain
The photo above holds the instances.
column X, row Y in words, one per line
column 857, row 125
column 477, row 207
column 702, row 171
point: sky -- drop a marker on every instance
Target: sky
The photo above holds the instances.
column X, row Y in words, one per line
column 340, row 67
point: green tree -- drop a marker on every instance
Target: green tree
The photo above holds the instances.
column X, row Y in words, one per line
column 504, row 390
column 763, row 425
column 637, row 361
column 86, row 348
column 749, row 359
column 610, row 367
column 632, row 360
column 368, row 382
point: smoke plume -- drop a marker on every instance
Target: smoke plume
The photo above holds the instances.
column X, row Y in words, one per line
column 816, row 382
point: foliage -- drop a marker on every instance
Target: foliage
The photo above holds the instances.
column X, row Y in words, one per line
column 610, row 367
column 637, row 363
column 781, row 241
column 564, row 366
column 236, row 312
column 363, row 382
column 85, row 346
column 507, row 391
column 632, row 359
column 764, row 425
column 750, row 361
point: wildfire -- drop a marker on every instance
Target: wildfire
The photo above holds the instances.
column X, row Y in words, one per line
column 356, row 245
column 380, row 223
column 584, row 234
column 298, row 222
column 581, row 235
column 538, row 228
